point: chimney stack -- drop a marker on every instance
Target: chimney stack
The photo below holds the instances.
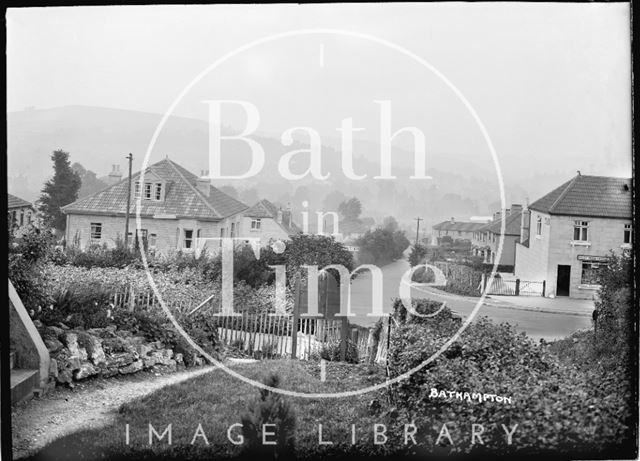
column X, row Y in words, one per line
column 453, row 219
column 115, row 175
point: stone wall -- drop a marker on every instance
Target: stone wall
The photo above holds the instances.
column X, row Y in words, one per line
column 80, row 354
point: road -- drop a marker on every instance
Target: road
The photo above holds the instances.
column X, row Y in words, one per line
column 549, row 326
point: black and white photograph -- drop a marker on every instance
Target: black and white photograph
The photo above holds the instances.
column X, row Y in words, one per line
column 320, row 231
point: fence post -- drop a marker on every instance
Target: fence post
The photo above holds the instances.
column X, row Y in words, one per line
column 344, row 334
column 517, row 287
column 131, row 298
column 296, row 317
column 544, row 286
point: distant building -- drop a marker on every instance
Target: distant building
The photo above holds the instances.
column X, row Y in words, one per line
column 20, row 213
column 486, row 239
column 454, row 229
column 178, row 210
column 570, row 231
column 268, row 222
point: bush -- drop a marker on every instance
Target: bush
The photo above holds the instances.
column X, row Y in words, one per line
column 79, row 307
column 558, row 408
column 269, row 408
column 417, row 255
column 423, row 275
column 27, row 256
column 331, row 352
column 381, row 246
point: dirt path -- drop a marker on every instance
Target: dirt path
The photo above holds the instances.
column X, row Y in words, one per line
column 92, row 405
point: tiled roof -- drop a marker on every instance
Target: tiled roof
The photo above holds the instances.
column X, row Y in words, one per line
column 262, row 209
column 16, row 202
column 265, row 209
column 594, row 196
column 459, row 226
column 512, row 225
column 182, row 198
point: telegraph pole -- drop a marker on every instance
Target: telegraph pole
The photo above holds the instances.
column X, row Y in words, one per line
column 126, row 220
column 418, row 229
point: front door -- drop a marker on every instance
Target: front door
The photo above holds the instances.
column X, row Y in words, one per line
column 564, row 280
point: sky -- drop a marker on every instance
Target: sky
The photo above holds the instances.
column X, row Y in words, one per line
column 549, row 82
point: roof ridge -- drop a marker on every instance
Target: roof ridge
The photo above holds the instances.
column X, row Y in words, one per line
column 564, row 192
column 199, row 194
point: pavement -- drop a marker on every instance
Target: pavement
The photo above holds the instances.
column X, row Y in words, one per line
column 559, row 305
column 540, row 318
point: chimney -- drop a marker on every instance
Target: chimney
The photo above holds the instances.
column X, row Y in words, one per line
column 203, row 184
column 524, row 225
column 115, row 175
column 516, row 208
column 288, row 214
column 497, row 215
column 453, row 219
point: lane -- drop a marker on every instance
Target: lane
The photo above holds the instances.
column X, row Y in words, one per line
column 548, row 326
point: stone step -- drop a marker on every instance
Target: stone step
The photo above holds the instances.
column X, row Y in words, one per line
column 23, row 383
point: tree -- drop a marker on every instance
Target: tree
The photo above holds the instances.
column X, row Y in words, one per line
column 333, row 200
column 418, row 255
column 350, row 209
column 59, row 191
column 390, row 223
column 320, row 250
column 90, row 183
column 381, row 246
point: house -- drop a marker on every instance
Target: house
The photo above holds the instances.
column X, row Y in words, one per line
column 486, row 239
column 268, row 222
column 20, row 213
column 457, row 230
column 176, row 208
column 570, row 231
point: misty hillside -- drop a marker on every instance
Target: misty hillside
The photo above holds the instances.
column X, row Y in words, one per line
column 100, row 137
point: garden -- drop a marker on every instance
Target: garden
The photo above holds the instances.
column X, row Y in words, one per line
column 493, row 392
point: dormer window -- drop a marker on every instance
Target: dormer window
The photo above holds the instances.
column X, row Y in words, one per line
column 150, row 191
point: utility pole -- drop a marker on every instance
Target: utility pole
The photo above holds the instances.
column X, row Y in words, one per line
column 418, row 229
column 126, row 220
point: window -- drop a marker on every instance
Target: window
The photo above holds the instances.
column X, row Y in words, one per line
column 233, row 229
column 188, row 238
column 22, row 217
column 137, row 189
column 589, row 274
column 627, row 233
column 13, row 217
column 255, row 224
column 96, row 231
column 580, row 230
column 147, row 190
column 29, row 217
column 539, row 226
column 459, row 232
column 153, row 239
column 158, row 191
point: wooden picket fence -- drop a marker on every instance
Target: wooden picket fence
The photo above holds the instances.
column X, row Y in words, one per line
column 268, row 336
